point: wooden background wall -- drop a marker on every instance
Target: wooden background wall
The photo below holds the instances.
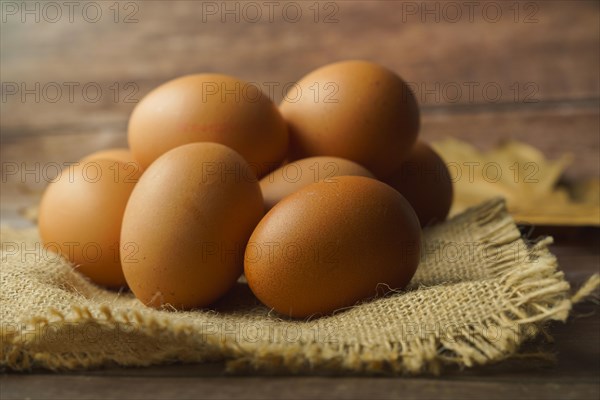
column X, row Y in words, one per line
column 542, row 55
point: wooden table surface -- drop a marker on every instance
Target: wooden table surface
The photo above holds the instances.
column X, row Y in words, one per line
column 482, row 71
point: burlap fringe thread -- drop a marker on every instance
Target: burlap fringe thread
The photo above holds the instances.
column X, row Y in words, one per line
column 528, row 293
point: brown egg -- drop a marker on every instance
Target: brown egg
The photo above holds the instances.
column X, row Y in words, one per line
column 355, row 110
column 332, row 244
column 117, row 154
column 80, row 217
column 186, row 226
column 424, row 180
column 209, row 108
column 294, row 176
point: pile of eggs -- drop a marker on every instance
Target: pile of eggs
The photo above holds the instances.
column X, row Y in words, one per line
column 319, row 202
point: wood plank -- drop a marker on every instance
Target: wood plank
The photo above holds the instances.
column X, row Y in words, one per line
column 86, row 387
column 542, row 48
column 553, row 130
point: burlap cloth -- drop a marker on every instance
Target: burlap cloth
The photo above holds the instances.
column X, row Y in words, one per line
column 480, row 291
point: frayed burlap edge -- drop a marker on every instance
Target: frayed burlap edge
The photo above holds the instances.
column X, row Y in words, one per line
column 538, row 293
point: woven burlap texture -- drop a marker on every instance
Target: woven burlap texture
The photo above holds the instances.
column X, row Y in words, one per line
column 479, row 292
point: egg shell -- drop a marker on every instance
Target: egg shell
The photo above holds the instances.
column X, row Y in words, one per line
column 424, row 180
column 186, row 225
column 298, row 174
column 209, row 108
column 117, row 154
column 356, row 110
column 331, row 245
column 80, row 217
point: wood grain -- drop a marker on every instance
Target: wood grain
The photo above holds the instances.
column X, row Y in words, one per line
column 549, row 45
column 81, row 387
